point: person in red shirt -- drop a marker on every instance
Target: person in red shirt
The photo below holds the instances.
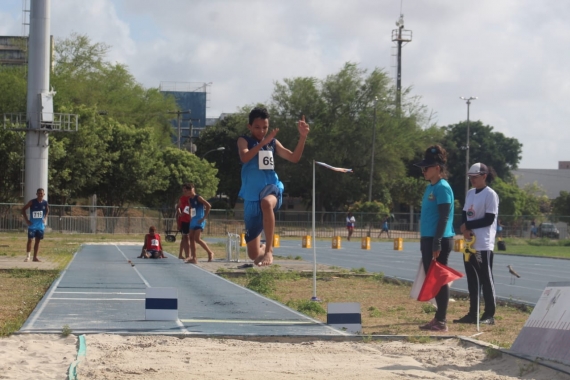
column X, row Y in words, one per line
column 183, row 219
column 152, row 247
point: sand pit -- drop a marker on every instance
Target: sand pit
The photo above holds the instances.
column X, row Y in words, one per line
column 164, row 357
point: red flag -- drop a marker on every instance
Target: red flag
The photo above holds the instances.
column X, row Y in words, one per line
column 437, row 276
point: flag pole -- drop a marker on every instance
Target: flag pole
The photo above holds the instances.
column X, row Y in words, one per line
column 314, row 298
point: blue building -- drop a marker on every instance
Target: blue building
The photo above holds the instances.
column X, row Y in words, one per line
column 192, row 100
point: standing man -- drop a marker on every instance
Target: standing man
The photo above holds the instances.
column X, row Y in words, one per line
column 350, row 223
column 183, row 219
column 261, row 189
column 200, row 209
column 385, row 227
column 480, row 220
column 39, row 210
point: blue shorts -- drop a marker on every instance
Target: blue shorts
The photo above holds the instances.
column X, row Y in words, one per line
column 253, row 216
column 154, row 254
column 194, row 225
column 34, row 233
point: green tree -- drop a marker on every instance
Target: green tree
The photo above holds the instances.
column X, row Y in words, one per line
column 13, row 89
column 11, row 170
column 225, row 133
column 182, row 167
column 79, row 161
column 492, row 148
column 134, row 168
column 561, row 206
column 82, row 76
column 343, row 110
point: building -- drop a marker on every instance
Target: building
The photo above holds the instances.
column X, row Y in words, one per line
column 553, row 181
column 192, row 99
column 13, row 50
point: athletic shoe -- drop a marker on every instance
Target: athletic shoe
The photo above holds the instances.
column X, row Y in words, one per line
column 434, row 325
column 466, row 319
column 487, row 321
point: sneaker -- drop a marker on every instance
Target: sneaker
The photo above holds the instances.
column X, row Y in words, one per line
column 434, row 325
column 487, row 321
column 466, row 319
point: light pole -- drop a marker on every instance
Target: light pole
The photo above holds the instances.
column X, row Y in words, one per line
column 372, row 154
column 213, row 150
column 468, row 101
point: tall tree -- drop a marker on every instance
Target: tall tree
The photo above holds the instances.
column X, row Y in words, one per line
column 225, row 133
column 492, row 148
column 182, row 167
column 134, row 168
column 343, row 111
column 561, row 206
column 82, row 76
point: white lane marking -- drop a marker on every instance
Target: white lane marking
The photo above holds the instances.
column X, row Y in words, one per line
column 98, row 293
column 180, row 325
column 50, row 293
column 273, row 322
column 136, row 270
column 99, row 299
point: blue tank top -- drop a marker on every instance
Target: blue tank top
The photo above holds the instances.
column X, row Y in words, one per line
column 37, row 213
column 197, row 208
column 253, row 179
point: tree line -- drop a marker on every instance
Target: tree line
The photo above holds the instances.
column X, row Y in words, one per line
column 124, row 150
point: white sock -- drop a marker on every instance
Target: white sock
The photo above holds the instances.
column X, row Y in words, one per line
column 29, row 254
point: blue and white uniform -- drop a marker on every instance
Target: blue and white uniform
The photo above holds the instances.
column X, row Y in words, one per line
column 197, row 213
column 258, row 180
column 37, row 213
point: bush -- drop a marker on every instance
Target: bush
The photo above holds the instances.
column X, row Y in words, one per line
column 308, row 307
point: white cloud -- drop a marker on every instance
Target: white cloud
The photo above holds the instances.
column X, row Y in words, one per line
column 510, row 53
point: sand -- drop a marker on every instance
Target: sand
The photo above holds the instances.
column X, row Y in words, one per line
column 164, row 357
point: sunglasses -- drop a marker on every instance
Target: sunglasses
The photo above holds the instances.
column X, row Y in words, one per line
column 425, row 168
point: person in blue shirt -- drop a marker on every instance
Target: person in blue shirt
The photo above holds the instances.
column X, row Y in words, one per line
column 261, row 188
column 436, row 225
column 199, row 211
column 385, row 227
column 36, row 222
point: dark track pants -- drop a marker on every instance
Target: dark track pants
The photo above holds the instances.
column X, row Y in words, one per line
column 484, row 270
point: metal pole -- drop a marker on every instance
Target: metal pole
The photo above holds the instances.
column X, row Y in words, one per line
column 467, row 153
column 314, row 298
column 372, row 155
column 37, row 144
column 468, row 101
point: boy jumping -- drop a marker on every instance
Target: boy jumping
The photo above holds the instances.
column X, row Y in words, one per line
column 261, row 189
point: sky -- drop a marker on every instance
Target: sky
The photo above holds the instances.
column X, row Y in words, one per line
column 511, row 54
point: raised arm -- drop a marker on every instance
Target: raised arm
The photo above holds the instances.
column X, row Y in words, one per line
column 294, row 156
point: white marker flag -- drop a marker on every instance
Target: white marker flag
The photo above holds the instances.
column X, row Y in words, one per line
column 342, row 170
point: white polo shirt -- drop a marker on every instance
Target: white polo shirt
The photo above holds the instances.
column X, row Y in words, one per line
column 476, row 206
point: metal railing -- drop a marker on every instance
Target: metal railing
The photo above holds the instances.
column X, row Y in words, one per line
column 87, row 219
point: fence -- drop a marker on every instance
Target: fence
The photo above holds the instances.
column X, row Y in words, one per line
column 86, row 219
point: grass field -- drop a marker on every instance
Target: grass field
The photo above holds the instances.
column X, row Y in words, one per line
column 386, row 306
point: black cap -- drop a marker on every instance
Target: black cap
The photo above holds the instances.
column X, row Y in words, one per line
column 431, row 158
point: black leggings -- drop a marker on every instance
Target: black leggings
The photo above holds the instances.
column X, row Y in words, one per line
column 483, row 271
column 442, row 298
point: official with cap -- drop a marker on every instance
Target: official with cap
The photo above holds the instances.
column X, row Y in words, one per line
column 480, row 213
